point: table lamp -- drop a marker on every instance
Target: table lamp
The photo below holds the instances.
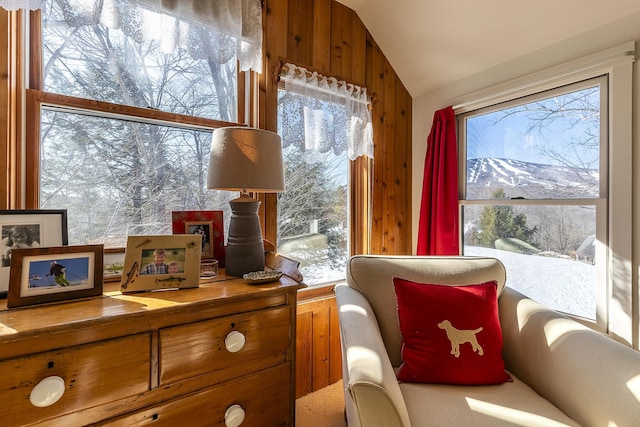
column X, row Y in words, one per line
column 245, row 159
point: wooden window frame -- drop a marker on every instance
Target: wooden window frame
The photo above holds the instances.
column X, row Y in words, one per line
column 36, row 98
column 257, row 101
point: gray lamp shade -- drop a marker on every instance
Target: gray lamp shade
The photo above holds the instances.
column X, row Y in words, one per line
column 246, row 159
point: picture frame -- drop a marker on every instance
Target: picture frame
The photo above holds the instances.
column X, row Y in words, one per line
column 54, row 274
column 33, row 228
column 182, row 220
column 113, row 264
column 205, row 228
column 161, row 262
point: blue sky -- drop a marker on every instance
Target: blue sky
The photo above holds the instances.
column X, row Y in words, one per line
column 508, row 136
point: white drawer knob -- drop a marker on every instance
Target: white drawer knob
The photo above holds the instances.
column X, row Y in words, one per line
column 47, row 392
column 234, row 341
column 234, row 416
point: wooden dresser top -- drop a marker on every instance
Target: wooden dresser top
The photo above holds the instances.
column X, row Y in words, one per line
column 42, row 327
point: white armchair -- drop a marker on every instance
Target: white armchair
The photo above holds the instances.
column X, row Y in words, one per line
column 563, row 373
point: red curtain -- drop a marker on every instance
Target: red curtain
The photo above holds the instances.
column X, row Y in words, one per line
column 438, row 226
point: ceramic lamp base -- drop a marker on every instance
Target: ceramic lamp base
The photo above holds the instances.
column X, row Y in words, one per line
column 245, row 248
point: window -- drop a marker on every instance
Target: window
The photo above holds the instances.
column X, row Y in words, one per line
column 313, row 214
column 127, row 96
column 323, row 124
column 535, row 184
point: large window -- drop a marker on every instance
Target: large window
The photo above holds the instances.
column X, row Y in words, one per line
column 535, row 192
column 127, row 97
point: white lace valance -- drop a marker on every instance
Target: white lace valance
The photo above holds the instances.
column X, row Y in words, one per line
column 235, row 25
column 321, row 114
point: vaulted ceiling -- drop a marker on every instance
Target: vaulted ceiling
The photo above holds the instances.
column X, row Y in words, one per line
column 431, row 43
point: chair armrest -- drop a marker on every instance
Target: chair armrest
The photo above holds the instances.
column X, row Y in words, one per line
column 592, row 378
column 374, row 397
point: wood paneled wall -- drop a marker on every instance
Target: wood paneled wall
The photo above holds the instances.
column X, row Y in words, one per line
column 318, row 357
column 327, row 37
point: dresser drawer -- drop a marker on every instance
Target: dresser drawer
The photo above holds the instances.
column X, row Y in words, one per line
column 93, row 374
column 224, row 343
column 262, row 398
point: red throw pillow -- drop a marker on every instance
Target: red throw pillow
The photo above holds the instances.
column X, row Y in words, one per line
column 451, row 334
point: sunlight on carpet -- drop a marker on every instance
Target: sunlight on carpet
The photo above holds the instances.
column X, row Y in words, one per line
column 324, row 407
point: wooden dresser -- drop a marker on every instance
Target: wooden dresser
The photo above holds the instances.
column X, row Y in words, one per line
column 191, row 357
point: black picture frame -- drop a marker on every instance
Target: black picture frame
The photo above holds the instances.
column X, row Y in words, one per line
column 44, row 227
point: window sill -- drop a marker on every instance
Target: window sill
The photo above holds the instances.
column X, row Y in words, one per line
column 317, row 292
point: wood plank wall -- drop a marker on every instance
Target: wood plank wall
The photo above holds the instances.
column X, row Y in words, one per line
column 327, row 37
column 318, row 357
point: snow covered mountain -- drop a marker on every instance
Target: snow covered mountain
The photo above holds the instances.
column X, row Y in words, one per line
column 529, row 180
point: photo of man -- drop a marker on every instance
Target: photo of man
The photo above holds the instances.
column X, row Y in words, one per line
column 58, row 272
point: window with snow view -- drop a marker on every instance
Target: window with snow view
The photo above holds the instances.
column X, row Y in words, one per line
column 126, row 109
column 534, row 192
column 313, row 225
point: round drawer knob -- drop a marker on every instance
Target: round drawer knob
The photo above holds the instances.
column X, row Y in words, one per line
column 47, row 392
column 234, row 341
column 234, row 416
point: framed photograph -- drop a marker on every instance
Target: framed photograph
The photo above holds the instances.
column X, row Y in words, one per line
column 161, row 262
column 113, row 264
column 189, row 222
column 44, row 275
column 204, row 228
column 24, row 229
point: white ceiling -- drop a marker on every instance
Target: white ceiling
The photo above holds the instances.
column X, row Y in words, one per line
column 431, row 43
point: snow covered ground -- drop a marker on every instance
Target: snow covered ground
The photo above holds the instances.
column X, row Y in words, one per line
column 565, row 285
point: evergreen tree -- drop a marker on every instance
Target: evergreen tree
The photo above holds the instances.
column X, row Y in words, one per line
column 501, row 222
column 312, row 194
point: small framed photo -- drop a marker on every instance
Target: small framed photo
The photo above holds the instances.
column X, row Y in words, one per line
column 113, row 264
column 161, row 262
column 44, row 275
column 23, row 229
column 208, row 223
column 204, row 228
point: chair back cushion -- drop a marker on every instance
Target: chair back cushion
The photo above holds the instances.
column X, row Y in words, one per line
column 372, row 275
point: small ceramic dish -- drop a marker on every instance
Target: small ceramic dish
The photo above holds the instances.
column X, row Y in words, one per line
column 265, row 276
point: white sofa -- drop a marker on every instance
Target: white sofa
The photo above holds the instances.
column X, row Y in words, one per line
column 564, row 374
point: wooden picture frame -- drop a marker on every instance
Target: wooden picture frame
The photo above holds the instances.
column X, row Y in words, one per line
column 34, row 229
column 113, row 264
column 161, row 262
column 181, row 220
column 44, row 275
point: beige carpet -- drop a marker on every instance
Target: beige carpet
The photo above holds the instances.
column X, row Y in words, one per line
column 322, row 408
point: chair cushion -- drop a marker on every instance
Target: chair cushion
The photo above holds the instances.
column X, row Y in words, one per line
column 509, row 404
column 451, row 334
